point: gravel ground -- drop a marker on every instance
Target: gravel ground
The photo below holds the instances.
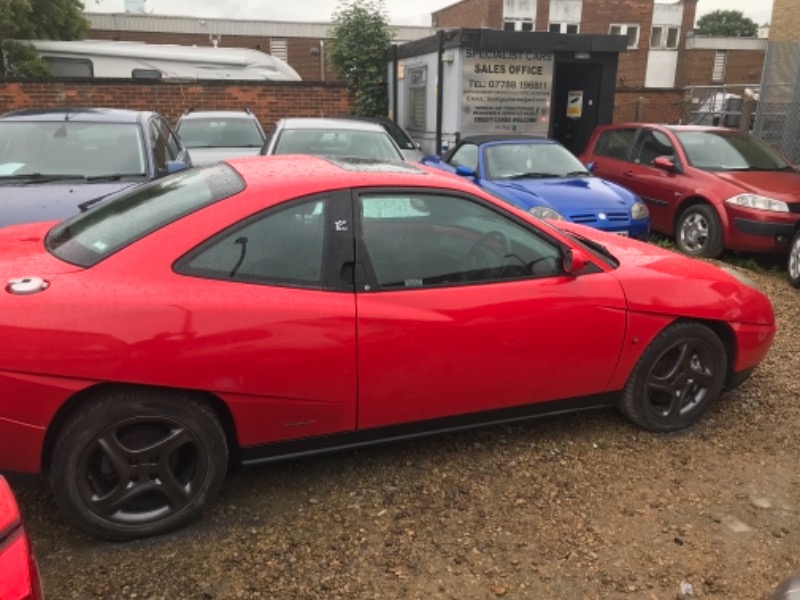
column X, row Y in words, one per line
column 580, row 507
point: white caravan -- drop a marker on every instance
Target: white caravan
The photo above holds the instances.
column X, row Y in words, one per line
column 137, row 60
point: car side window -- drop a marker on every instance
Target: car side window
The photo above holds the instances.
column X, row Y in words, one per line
column 278, row 247
column 173, row 147
column 615, row 143
column 159, row 147
column 419, row 240
column 650, row 145
column 465, row 156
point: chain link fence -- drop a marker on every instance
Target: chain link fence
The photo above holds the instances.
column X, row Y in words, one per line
column 777, row 119
column 770, row 109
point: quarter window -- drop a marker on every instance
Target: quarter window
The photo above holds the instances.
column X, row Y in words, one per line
column 417, row 240
column 283, row 247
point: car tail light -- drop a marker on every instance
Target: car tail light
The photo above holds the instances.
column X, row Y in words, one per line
column 19, row 577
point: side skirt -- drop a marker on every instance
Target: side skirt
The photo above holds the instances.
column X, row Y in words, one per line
column 408, row 431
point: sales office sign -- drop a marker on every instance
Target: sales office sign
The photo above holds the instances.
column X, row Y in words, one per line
column 506, row 91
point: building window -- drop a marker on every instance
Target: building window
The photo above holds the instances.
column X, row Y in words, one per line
column 279, row 49
column 720, row 62
column 417, row 105
column 629, row 30
column 563, row 28
column 664, row 38
column 518, row 25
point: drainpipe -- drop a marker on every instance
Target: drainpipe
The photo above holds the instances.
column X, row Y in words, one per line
column 439, row 90
column 322, row 60
column 394, row 111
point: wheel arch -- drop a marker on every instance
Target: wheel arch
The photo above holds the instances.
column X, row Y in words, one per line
column 85, row 396
column 693, row 201
column 728, row 339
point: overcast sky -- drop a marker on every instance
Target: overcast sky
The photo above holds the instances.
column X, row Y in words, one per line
column 401, row 12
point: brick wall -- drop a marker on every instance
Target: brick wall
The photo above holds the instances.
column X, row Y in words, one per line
column 470, row 14
column 743, row 66
column 655, row 106
column 269, row 102
column 598, row 18
column 304, row 54
column 785, row 24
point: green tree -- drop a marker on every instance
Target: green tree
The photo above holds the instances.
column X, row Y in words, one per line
column 36, row 20
column 726, row 23
column 361, row 35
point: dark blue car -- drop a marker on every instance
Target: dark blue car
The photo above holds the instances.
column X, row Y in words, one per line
column 542, row 177
column 55, row 163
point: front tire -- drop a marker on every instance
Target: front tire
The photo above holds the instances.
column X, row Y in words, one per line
column 699, row 232
column 677, row 378
column 138, row 462
column 794, row 260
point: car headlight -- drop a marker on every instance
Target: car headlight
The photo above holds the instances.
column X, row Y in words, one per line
column 759, row 202
column 543, row 212
column 639, row 210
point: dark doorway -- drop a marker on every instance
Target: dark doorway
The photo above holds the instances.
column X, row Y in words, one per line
column 576, row 101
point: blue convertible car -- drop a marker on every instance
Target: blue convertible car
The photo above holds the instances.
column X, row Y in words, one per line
column 542, row 177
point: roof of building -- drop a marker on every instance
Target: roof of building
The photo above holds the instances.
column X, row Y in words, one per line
column 194, row 25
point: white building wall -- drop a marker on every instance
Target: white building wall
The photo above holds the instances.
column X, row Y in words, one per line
column 661, row 68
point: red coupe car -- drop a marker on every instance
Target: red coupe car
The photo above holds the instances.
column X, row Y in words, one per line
column 276, row 306
column 711, row 188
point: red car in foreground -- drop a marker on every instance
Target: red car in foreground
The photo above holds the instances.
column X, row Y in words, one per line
column 19, row 577
column 711, row 188
column 276, row 306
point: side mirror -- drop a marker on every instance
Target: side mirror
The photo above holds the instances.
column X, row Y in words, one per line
column 591, row 167
column 173, row 166
column 574, row 261
column 665, row 163
column 465, row 171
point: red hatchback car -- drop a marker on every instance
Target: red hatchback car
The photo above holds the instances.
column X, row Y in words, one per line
column 711, row 188
column 275, row 306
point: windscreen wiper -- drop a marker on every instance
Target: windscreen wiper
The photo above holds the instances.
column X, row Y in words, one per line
column 31, row 178
column 533, row 175
column 111, row 177
column 578, row 174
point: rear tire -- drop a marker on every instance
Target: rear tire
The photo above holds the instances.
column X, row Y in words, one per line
column 699, row 232
column 138, row 462
column 794, row 260
column 676, row 379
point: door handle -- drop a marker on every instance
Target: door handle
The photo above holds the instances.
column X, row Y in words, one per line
column 629, row 174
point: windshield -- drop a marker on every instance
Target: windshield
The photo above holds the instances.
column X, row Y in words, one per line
column 339, row 142
column 70, row 149
column 90, row 237
column 520, row 160
column 220, row 133
column 729, row 151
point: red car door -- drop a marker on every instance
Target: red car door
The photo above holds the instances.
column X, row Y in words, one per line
column 660, row 188
column 463, row 310
column 609, row 153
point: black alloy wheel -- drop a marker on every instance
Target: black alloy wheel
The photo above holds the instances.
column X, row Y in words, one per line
column 677, row 378
column 137, row 463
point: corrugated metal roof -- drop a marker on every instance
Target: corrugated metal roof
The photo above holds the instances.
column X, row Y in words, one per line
column 176, row 24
